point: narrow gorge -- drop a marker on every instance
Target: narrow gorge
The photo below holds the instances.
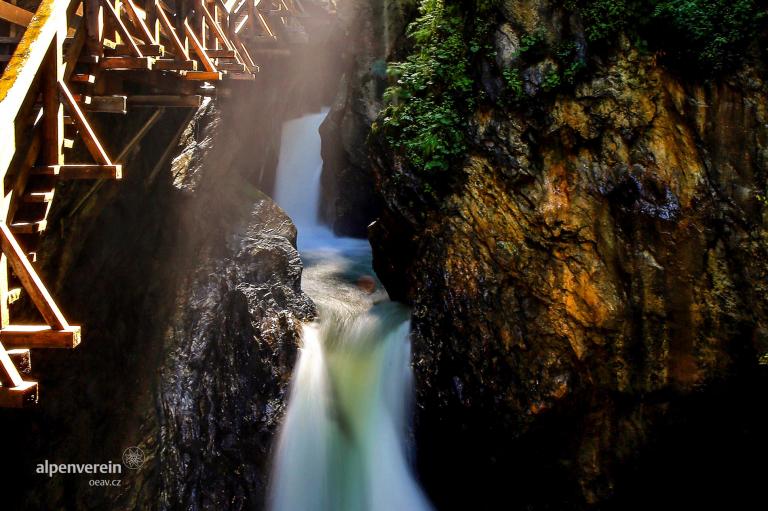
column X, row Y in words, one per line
column 438, row 255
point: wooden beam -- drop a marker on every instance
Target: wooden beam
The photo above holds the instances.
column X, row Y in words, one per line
column 178, row 47
column 175, row 65
column 89, row 137
column 14, row 14
column 157, row 100
column 83, row 78
column 220, row 53
column 20, row 396
column 29, row 279
column 148, row 50
column 199, row 50
column 121, row 28
column 29, row 227
column 203, row 76
column 138, row 21
column 38, row 197
column 113, row 63
column 40, row 336
column 81, row 171
column 9, row 375
column 108, row 104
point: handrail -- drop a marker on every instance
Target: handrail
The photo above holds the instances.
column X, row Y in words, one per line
column 16, row 81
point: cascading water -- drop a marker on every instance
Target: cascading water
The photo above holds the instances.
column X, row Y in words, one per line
column 343, row 445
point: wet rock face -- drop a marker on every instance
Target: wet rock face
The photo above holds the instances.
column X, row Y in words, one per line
column 599, row 265
column 232, row 344
column 369, row 33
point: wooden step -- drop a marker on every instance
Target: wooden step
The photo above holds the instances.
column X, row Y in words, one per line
column 82, row 78
column 37, row 197
column 234, row 67
column 148, row 50
column 208, row 76
column 107, row 104
column 28, row 227
column 81, row 171
column 157, row 100
column 39, row 336
column 21, row 359
column 220, row 54
column 13, row 295
column 241, row 76
column 10, row 40
column 82, row 99
column 21, row 396
column 175, row 65
column 120, row 63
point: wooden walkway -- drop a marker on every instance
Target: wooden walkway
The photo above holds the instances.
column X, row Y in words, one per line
column 71, row 58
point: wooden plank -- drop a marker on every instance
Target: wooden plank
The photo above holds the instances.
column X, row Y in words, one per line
column 30, row 280
column 178, row 47
column 220, row 53
column 121, row 28
column 115, row 63
column 14, row 14
column 158, row 100
column 175, row 65
column 89, row 137
column 82, row 78
column 37, row 197
column 203, row 76
column 199, row 50
column 21, row 359
column 20, row 396
column 29, row 227
column 81, row 171
column 108, row 104
column 234, row 67
column 148, row 50
column 40, row 336
column 241, row 76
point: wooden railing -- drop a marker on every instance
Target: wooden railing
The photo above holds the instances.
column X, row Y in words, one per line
column 42, row 82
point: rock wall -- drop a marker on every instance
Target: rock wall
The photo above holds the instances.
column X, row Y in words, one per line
column 589, row 293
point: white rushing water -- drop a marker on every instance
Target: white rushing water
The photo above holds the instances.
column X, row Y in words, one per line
column 343, row 444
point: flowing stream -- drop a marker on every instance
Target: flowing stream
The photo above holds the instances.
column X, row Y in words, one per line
column 343, row 445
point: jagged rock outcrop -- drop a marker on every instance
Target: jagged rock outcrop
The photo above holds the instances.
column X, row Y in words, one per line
column 369, row 34
column 591, row 278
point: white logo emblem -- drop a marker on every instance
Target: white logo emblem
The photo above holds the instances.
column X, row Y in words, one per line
column 133, row 458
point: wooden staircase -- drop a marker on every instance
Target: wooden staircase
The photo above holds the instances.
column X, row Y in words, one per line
column 62, row 64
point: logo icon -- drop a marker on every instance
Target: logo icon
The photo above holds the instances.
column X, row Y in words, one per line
column 133, row 458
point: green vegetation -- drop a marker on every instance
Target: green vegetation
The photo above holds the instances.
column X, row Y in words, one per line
column 709, row 35
column 434, row 88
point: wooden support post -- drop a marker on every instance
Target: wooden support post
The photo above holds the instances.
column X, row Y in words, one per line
column 122, row 30
column 31, row 282
column 199, row 50
column 178, row 47
column 94, row 19
column 138, row 22
column 89, row 137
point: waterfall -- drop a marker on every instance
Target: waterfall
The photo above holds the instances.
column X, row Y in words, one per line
column 343, row 442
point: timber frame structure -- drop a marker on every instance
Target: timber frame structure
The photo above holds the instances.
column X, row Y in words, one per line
column 70, row 58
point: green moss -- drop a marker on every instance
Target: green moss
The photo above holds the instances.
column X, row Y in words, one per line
column 433, row 89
